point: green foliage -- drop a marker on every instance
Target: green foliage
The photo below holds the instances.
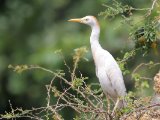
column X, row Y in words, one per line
column 139, row 83
column 56, row 92
column 76, row 118
column 79, row 53
column 142, row 82
column 143, row 32
column 19, row 68
column 145, row 36
column 123, row 62
column 115, row 9
column 77, row 82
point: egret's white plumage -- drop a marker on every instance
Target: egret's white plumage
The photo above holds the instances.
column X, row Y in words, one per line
column 107, row 69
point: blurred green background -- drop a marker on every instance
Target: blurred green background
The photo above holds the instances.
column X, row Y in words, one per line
column 30, row 32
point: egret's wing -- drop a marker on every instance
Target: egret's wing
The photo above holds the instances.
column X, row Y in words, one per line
column 115, row 75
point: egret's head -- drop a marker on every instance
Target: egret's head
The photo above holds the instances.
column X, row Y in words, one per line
column 88, row 20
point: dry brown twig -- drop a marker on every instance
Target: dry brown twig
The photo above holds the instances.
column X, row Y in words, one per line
column 151, row 110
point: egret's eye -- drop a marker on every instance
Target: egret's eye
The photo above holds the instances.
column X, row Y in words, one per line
column 87, row 19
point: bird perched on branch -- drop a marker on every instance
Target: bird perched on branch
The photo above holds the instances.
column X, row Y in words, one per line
column 107, row 69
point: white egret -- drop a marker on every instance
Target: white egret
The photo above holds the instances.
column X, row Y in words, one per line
column 107, row 69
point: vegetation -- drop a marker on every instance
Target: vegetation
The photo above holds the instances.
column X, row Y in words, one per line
column 66, row 88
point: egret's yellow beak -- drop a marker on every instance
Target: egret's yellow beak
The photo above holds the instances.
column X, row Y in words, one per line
column 75, row 20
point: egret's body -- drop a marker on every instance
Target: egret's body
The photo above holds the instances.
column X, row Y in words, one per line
column 107, row 69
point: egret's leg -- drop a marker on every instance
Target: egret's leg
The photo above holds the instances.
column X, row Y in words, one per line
column 116, row 105
column 108, row 104
column 108, row 115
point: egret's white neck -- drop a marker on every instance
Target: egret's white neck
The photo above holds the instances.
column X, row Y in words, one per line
column 94, row 38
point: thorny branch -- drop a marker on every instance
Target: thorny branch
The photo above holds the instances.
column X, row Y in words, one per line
column 83, row 101
column 150, row 65
column 139, row 111
column 49, row 90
